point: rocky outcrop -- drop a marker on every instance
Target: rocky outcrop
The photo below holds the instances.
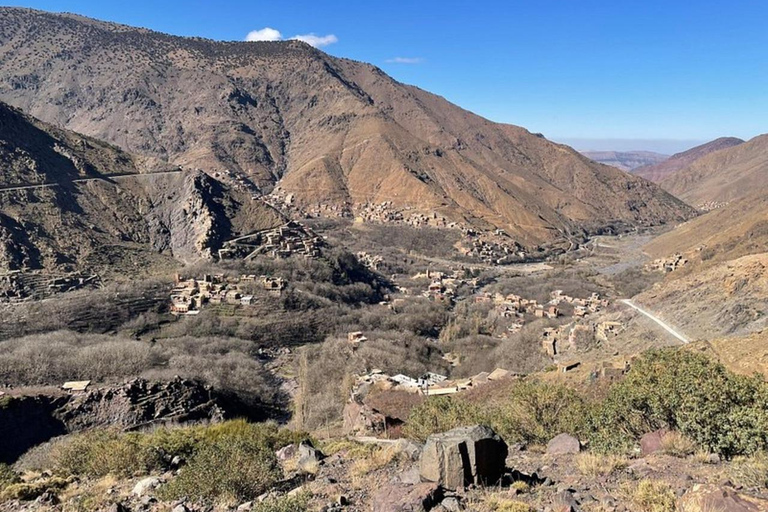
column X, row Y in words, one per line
column 139, row 403
column 420, row 497
column 720, row 499
column 27, row 421
column 464, row 456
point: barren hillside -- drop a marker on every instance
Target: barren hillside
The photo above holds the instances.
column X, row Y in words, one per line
column 658, row 171
column 727, row 233
column 124, row 218
column 723, row 176
column 331, row 131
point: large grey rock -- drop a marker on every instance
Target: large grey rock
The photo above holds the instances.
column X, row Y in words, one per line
column 145, row 485
column 407, row 498
column 463, row 456
column 563, row 444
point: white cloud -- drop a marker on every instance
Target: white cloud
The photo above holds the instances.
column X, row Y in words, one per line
column 405, row 60
column 271, row 34
column 265, row 34
column 317, row 41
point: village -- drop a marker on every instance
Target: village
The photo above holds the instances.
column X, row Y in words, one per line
column 189, row 295
column 287, row 240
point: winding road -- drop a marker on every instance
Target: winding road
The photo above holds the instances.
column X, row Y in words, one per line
column 659, row 321
column 106, row 177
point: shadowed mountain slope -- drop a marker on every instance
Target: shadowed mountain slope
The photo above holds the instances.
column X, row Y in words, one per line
column 120, row 212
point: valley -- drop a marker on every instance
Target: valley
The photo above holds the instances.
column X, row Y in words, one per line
column 251, row 276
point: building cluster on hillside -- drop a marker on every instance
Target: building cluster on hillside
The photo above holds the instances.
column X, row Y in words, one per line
column 189, row 295
column 429, row 384
column 516, row 307
column 668, row 264
column 289, row 239
column 493, row 247
column 442, row 286
column 575, row 337
column 18, row 286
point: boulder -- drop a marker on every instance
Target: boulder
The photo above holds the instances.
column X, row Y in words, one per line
column 287, row 452
column 463, row 456
column 145, row 485
column 407, row 498
column 309, row 457
column 721, row 499
column 563, row 444
column 651, row 442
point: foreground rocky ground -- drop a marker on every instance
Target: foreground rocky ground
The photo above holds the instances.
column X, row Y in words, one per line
column 451, row 472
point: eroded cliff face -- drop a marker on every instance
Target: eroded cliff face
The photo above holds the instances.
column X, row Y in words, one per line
column 185, row 216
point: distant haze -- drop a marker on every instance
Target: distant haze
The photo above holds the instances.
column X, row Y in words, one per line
column 664, row 146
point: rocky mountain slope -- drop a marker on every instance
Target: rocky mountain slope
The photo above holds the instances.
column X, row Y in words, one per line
column 330, row 131
column 723, row 176
column 626, row 160
column 658, row 171
column 68, row 201
column 738, row 229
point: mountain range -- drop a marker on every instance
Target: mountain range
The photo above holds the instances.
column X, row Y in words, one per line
column 289, row 119
column 626, row 160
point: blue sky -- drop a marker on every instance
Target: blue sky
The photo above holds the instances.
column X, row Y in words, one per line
column 661, row 75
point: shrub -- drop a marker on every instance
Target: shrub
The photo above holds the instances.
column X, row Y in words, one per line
column 233, row 467
column 653, row 496
column 439, row 414
column 534, row 412
column 684, row 391
column 29, row 491
column 7, row 476
column 595, row 464
column 98, row 453
column 296, row 503
column 529, row 412
column 751, row 471
column 677, row 445
column 231, row 460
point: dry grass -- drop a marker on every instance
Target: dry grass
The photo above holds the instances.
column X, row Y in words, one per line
column 593, row 464
column 520, row 487
column 677, row 445
column 378, row 458
column 651, row 496
column 494, row 503
column 751, row 471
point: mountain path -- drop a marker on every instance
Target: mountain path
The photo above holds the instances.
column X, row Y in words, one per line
column 658, row 320
column 106, row 177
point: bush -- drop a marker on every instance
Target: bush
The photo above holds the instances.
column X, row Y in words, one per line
column 439, row 414
column 594, row 464
column 283, row 504
column 751, row 472
column 238, row 466
column 534, row 412
column 684, row 391
column 528, row 412
column 98, row 453
column 677, row 445
column 653, row 496
column 231, row 460
column 7, row 476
